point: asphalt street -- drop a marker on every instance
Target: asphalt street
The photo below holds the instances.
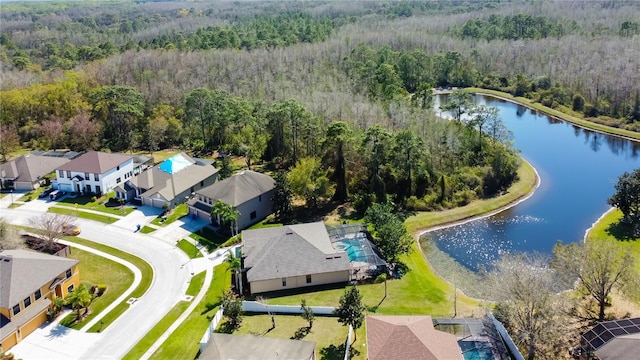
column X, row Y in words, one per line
column 171, row 278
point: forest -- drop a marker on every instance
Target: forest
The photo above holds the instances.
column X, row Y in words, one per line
column 334, row 98
column 342, row 89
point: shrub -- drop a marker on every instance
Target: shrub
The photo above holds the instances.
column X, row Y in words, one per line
column 101, row 289
column 94, row 198
column 381, row 278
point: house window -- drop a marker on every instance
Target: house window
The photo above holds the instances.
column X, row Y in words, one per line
column 86, row 176
column 118, row 180
column 260, row 198
column 253, row 215
column 16, row 310
column 68, row 174
column 98, row 192
column 68, row 273
column 284, row 282
column 37, row 294
column 60, row 173
column 308, row 279
column 27, row 301
column 96, row 177
column 70, row 288
column 118, row 167
column 202, row 183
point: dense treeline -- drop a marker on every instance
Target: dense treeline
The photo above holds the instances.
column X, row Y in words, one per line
column 520, row 26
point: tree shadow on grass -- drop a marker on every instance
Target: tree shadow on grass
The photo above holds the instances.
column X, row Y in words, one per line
column 333, row 352
column 622, row 230
column 301, row 333
column 225, row 328
column 210, row 306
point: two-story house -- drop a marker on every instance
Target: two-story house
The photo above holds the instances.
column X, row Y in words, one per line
column 248, row 192
column 94, row 172
column 29, row 281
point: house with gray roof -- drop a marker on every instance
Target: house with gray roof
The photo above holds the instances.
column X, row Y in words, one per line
column 94, row 172
column 27, row 172
column 249, row 193
column 169, row 183
column 292, row 256
column 29, row 281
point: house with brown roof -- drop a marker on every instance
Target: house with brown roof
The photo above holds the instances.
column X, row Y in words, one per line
column 27, row 172
column 409, row 337
column 29, row 281
column 249, row 193
column 169, row 183
column 292, row 256
column 249, row 347
column 94, row 172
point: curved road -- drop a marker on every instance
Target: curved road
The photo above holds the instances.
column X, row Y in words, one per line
column 169, row 284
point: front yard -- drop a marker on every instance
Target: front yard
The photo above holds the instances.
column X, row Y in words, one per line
column 105, row 204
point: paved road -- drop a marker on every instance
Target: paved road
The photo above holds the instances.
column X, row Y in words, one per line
column 170, row 281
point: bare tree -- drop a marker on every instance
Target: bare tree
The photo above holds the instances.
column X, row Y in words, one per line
column 528, row 305
column 598, row 265
column 50, row 227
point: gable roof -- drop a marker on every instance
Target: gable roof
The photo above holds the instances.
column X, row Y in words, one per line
column 225, row 346
column 23, row 272
column 29, row 168
column 158, row 183
column 239, row 188
column 409, row 337
column 291, row 250
column 95, row 162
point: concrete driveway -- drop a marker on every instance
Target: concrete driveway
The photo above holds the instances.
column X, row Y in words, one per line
column 168, row 287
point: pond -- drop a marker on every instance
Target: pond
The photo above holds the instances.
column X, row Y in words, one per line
column 578, row 169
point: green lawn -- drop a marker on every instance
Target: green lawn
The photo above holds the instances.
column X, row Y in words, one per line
column 609, row 228
column 419, row 291
column 85, row 202
column 143, row 345
column 179, row 211
column 145, row 283
column 81, row 214
column 209, row 238
column 328, row 334
column 189, row 249
column 147, row 230
column 184, row 343
column 96, row 270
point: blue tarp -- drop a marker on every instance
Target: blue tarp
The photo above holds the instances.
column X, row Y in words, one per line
column 174, row 164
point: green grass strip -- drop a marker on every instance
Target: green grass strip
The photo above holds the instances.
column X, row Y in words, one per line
column 180, row 211
column 184, row 343
column 145, row 282
column 96, row 270
column 189, row 249
column 148, row 340
column 147, row 230
column 82, row 214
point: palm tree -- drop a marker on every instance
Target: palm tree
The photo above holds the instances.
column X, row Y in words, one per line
column 235, row 264
column 226, row 214
column 79, row 299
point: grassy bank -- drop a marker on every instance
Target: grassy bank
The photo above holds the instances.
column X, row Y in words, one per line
column 96, row 270
column 527, row 182
column 561, row 115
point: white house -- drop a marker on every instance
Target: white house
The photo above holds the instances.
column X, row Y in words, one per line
column 94, row 172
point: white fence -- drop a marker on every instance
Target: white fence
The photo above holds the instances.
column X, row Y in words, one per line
column 254, row 306
column 347, row 345
column 211, row 329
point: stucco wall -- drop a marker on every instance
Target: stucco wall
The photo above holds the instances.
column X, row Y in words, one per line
column 299, row 281
column 262, row 205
